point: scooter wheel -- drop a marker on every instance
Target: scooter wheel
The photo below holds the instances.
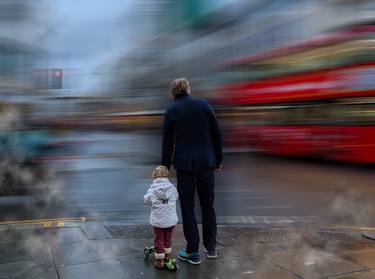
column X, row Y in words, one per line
column 175, row 267
column 146, row 253
column 172, row 265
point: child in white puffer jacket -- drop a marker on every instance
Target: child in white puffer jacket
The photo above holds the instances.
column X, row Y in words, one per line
column 162, row 196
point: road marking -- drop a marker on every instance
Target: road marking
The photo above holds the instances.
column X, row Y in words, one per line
column 44, row 222
column 47, row 224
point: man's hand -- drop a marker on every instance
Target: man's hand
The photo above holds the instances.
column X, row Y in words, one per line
column 218, row 167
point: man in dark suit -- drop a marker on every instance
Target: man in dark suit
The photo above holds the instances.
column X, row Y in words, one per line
column 192, row 136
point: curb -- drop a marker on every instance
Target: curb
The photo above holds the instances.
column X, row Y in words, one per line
column 42, row 223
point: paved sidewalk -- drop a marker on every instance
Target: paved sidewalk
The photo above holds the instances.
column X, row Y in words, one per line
column 67, row 250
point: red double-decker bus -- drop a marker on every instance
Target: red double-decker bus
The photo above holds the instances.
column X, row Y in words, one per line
column 315, row 98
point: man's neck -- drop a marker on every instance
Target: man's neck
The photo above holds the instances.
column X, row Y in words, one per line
column 181, row 95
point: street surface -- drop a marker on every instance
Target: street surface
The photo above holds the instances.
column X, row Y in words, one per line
column 81, row 250
column 104, row 176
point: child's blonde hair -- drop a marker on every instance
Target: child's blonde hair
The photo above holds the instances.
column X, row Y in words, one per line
column 159, row 172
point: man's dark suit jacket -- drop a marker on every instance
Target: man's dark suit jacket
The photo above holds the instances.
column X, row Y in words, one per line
column 191, row 134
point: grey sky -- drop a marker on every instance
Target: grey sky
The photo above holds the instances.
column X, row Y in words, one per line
column 87, row 33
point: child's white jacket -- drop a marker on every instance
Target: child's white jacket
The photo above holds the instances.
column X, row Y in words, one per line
column 162, row 196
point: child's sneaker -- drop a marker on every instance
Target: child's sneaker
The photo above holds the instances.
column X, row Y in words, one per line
column 211, row 254
column 193, row 258
column 159, row 263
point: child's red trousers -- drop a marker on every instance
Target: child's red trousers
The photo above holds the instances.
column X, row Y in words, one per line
column 163, row 239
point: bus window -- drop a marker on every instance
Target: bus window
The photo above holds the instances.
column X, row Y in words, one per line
column 257, row 117
column 318, row 115
column 354, row 114
column 294, row 115
column 360, row 114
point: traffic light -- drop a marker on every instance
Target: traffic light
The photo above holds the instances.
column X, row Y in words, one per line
column 56, row 78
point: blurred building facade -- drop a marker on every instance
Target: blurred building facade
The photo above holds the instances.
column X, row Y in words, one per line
column 22, row 27
column 193, row 38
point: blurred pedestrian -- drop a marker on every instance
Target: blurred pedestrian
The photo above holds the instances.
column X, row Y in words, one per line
column 162, row 196
column 191, row 134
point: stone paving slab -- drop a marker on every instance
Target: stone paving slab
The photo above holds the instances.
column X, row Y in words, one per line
column 364, row 257
column 95, row 231
column 247, row 267
column 40, row 269
column 357, row 275
column 88, row 251
column 64, row 236
column 229, row 265
column 243, row 248
column 138, row 267
column 4, row 228
column 310, row 263
column 111, row 269
column 10, row 235
column 24, row 251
